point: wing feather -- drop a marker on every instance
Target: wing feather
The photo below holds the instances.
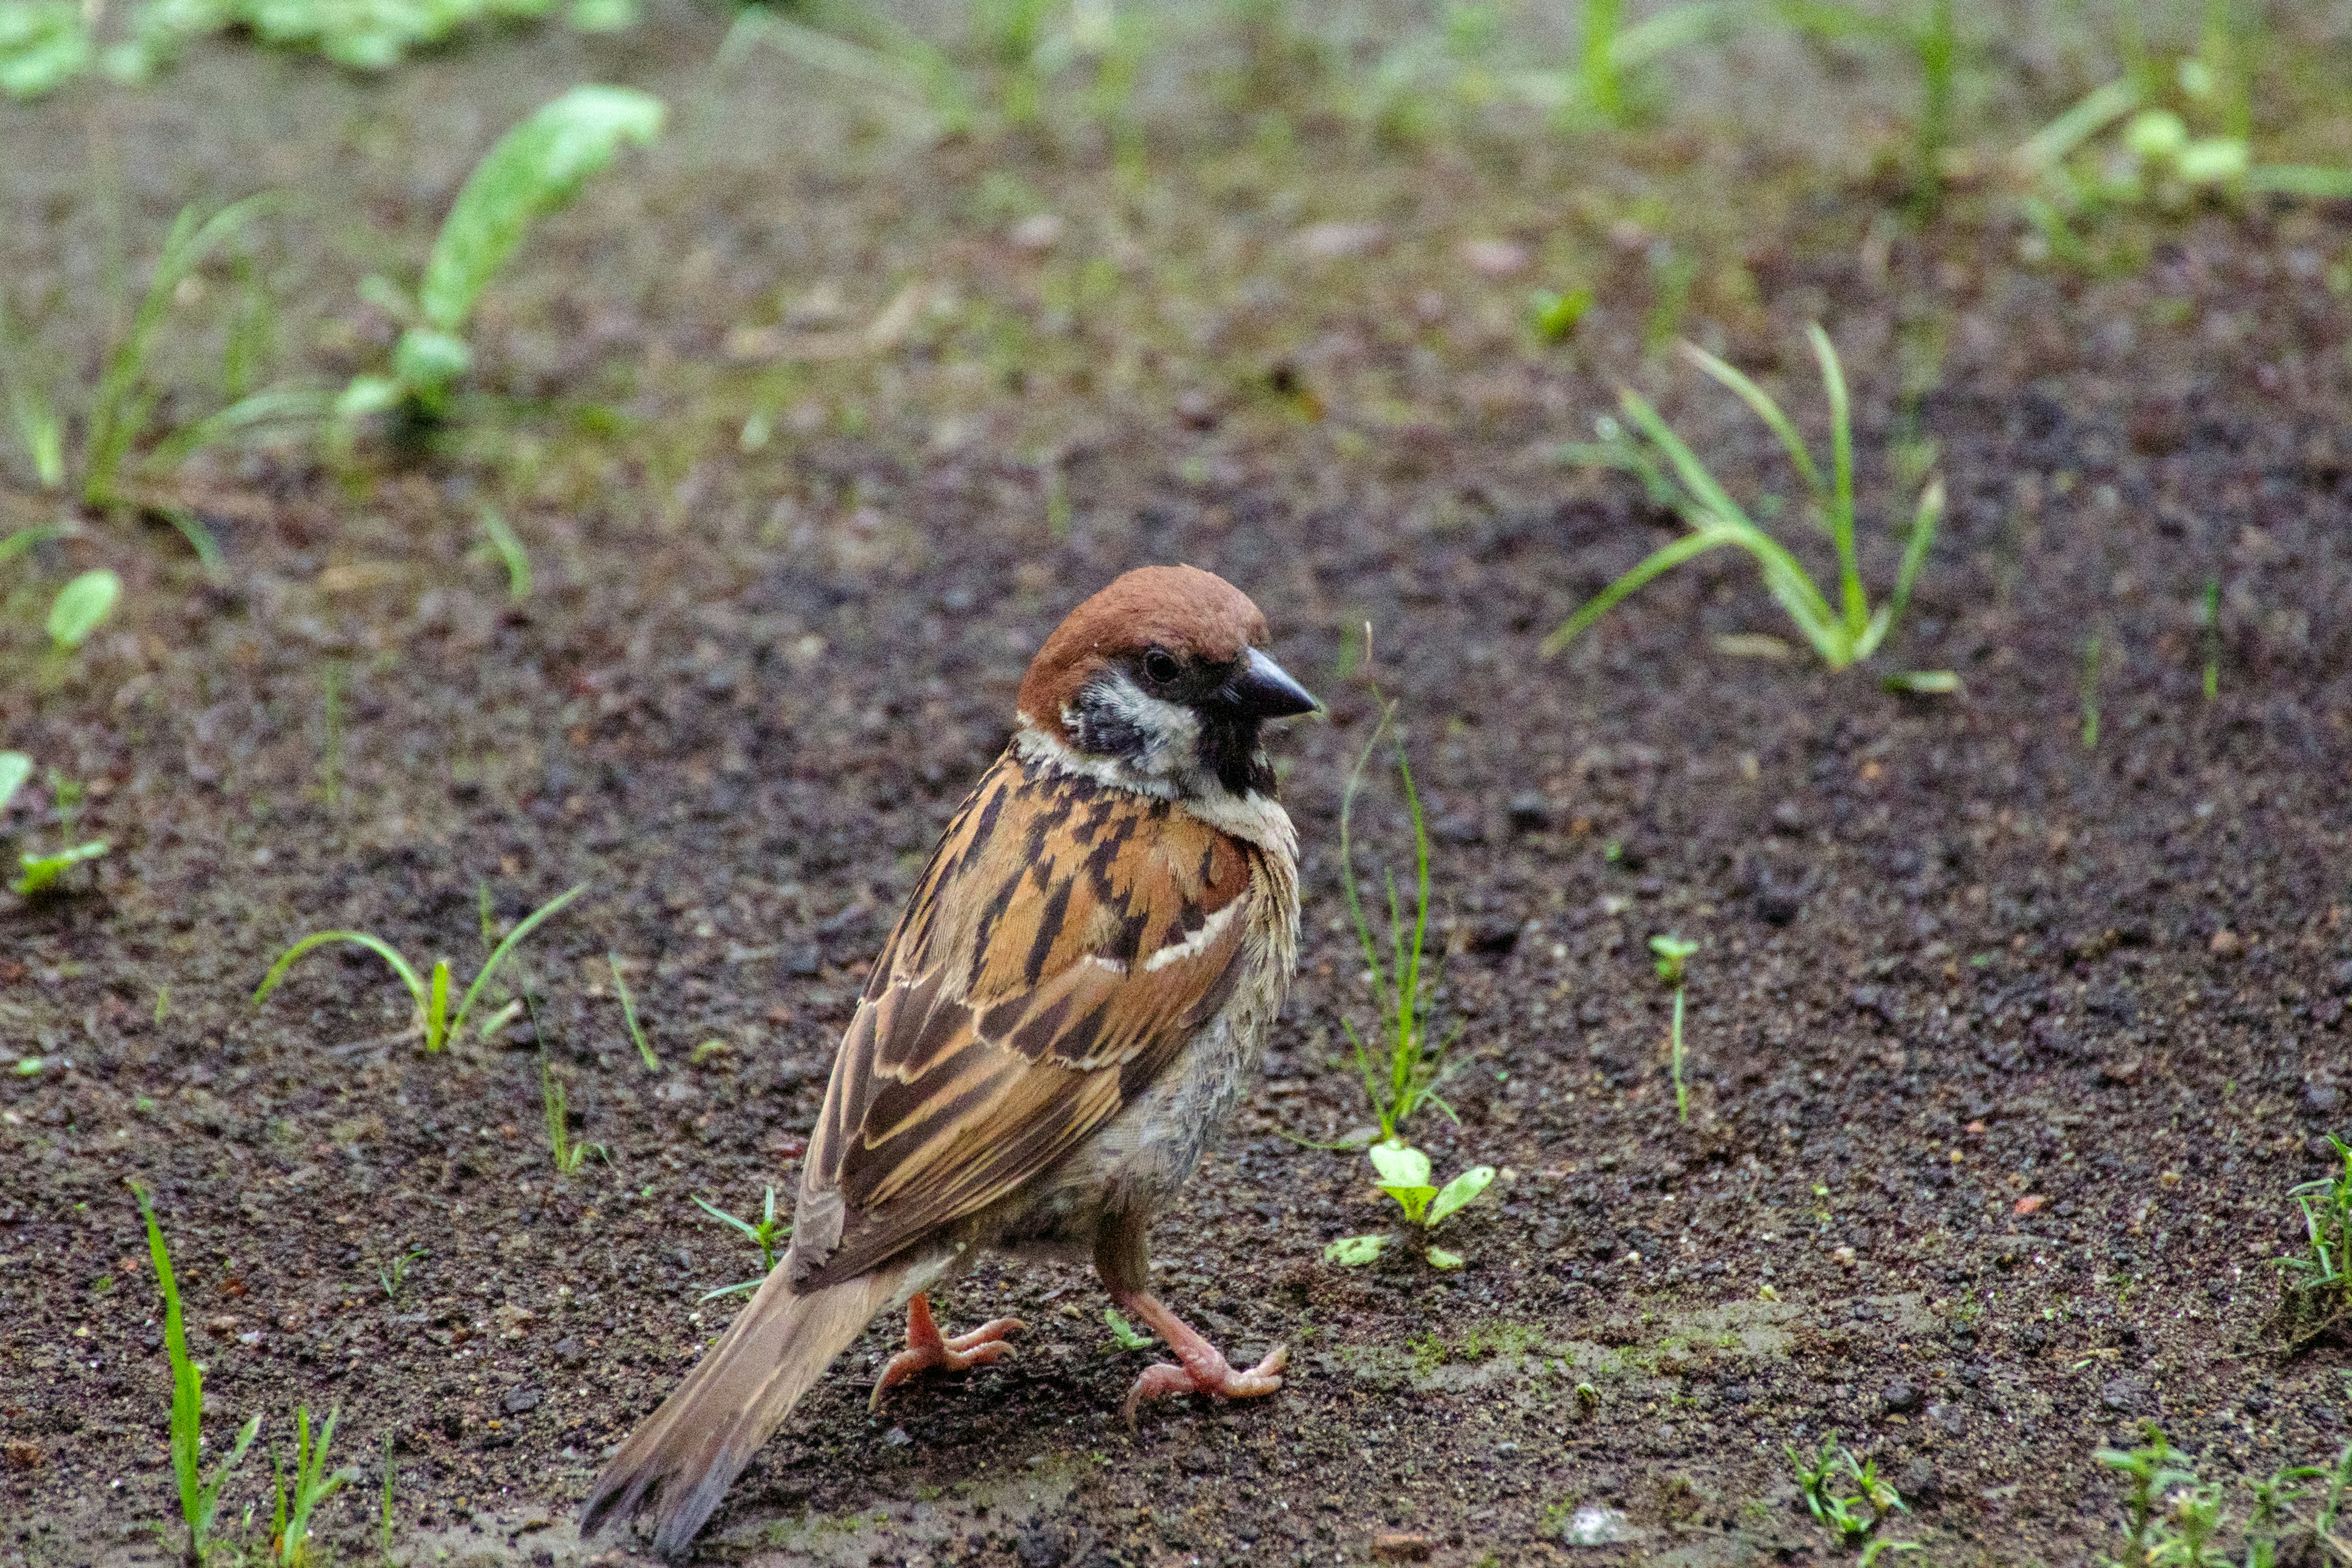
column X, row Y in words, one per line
column 1063, row 943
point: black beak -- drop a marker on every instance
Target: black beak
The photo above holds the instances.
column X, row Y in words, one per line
column 1262, row 689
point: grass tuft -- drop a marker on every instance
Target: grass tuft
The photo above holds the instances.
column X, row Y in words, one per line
column 1403, row 1077
column 199, row 1493
column 1843, row 634
column 431, row 997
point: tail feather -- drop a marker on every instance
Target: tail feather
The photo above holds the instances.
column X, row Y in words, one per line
column 678, row 1465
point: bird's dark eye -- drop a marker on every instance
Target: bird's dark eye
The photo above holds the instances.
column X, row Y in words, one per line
column 1159, row 666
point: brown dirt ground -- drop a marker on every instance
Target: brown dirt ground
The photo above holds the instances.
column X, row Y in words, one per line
column 2004, row 1049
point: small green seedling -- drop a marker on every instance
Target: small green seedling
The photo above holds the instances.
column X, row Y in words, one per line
column 536, row 168
column 766, row 1234
column 1556, row 312
column 41, row 873
column 290, row 1536
column 629, row 1015
column 1405, row 1075
column 1854, row 1516
column 395, row 1274
column 1670, row 953
column 568, row 1153
column 81, row 607
column 2318, row 1284
column 384, row 1519
column 1125, row 1334
column 1405, row 1176
column 2154, row 1470
column 199, row 1493
column 1841, row 635
column 432, row 997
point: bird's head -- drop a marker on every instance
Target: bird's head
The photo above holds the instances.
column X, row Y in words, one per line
column 1160, row 681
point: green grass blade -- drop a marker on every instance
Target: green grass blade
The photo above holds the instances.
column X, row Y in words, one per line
column 2101, row 108
column 120, row 409
column 280, row 406
column 376, row 945
column 31, row 408
column 1675, row 28
column 23, row 538
column 1659, row 562
column 1348, row 887
column 1914, row 556
column 533, row 170
column 1850, row 594
column 1705, row 493
column 528, row 923
column 1758, row 399
column 503, row 539
column 2311, row 182
column 629, row 1015
column 188, row 1383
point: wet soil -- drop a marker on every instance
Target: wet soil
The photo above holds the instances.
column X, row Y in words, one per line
column 2004, row 1047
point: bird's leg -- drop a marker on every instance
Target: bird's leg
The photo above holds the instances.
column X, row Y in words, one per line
column 1202, row 1369
column 926, row 1347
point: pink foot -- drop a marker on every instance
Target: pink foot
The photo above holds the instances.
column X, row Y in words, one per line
column 1203, row 1368
column 926, row 1348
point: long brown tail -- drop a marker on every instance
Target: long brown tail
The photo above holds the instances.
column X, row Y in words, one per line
column 678, row 1465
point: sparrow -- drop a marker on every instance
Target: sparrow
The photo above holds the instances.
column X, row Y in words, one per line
column 1067, row 1009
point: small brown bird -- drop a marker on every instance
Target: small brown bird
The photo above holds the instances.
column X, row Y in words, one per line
column 1067, row 1011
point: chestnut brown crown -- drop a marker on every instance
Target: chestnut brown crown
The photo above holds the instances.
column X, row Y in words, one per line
column 1165, row 673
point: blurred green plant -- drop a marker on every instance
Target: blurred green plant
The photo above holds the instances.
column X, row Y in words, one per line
column 120, row 411
column 46, row 44
column 81, row 607
column 536, row 168
column 2157, row 140
column 1841, row 635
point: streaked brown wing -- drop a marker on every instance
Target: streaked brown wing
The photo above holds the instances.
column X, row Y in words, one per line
column 1063, row 942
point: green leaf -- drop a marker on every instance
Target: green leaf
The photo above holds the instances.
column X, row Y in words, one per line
column 2213, row 160
column 427, row 362
column 1399, row 1164
column 1414, row 1201
column 1125, row 1332
column 42, row 871
column 15, row 768
column 81, row 605
column 535, row 169
column 368, row 394
column 1673, row 952
column 374, row 944
column 1354, row 1251
column 43, row 44
column 1440, row 1258
column 1458, row 1192
column 1557, row 314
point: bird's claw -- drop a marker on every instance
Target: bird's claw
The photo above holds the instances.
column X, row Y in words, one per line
column 1206, row 1370
column 926, row 1348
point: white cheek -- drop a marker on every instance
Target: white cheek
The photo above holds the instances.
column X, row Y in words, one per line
column 1170, row 731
